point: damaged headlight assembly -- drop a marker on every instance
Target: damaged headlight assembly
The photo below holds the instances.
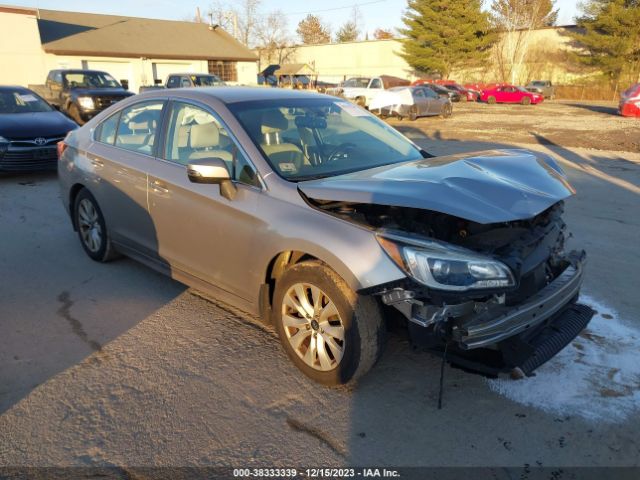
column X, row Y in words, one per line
column 442, row 266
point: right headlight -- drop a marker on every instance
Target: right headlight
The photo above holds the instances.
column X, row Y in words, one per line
column 446, row 267
column 86, row 103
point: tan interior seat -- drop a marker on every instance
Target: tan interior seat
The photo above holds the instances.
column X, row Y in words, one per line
column 204, row 142
column 282, row 154
column 139, row 136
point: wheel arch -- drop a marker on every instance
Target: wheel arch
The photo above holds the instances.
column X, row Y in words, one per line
column 284, row 259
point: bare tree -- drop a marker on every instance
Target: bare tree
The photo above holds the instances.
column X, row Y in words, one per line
column 274, row 42
column 240, row 18
column 516, row 20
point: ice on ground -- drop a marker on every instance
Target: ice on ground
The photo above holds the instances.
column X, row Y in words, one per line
column 597, row 376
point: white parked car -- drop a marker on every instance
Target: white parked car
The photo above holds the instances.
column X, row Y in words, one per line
column 362, row 90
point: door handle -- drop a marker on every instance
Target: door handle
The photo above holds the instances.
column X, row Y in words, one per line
column 159, row 187
column 97, row 163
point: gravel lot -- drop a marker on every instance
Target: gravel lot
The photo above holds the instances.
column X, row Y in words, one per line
column 116, row 365
column 569, row 124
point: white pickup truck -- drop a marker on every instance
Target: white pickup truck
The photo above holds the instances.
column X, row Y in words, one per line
column 362, row 90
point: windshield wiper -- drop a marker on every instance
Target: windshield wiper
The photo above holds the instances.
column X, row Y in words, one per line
column 305, row 178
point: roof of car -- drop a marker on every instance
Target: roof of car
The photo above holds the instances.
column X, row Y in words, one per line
column 239, row 94
column 197, row 74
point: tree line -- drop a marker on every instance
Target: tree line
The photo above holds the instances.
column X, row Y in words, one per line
column 442, row 36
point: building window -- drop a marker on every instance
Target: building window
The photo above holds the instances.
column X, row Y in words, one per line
column 227, row 71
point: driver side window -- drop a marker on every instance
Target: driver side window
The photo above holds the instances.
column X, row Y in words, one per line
column 195, row 133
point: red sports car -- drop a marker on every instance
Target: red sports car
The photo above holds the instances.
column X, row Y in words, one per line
column 510, row 94
column 630, row 102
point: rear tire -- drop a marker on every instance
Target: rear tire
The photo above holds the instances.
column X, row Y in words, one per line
column 332, row 334
column 92, row 229
column 491, row 100
column 361, row 101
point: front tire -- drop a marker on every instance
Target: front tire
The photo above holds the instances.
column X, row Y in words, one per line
column 92, row 229
column 333, row 335
column 491, row 100
column 74, row 113
column 446, row 111
column 526, row 101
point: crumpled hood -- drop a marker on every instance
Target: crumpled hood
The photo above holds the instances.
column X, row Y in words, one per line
column 486, row 187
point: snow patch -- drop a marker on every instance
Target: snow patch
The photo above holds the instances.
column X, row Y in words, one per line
column 597, row 376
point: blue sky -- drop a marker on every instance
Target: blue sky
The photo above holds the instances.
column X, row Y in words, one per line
column 374, row 13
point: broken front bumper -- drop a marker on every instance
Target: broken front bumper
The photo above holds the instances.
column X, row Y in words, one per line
column 491, row 337
column 482, row 331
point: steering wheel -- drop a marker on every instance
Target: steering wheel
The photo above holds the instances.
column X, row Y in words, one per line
column 340, row 151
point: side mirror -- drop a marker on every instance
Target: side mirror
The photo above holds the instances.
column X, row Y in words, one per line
column 125, row 84
column 212, row 171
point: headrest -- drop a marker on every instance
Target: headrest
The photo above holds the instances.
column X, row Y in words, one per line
column 274, row 121
column 133, row 126
column 205, row 135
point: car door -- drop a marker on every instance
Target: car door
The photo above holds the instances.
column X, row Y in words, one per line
column 374, row 88
column 54, row 88
column 420, row 101
column 200, row 232
column 511, row 95
column 120, row 156
column 434, row 102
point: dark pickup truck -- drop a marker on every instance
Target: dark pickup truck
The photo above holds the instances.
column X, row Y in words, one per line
column 81, row 94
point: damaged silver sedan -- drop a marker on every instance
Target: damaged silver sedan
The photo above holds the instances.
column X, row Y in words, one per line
column 313, row 214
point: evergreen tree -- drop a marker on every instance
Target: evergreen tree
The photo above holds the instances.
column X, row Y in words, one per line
column 312, row 31
column 445, row 34
column 609, row 34
column 347, row 32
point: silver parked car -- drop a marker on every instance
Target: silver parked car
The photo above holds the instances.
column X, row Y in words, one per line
column 310, row 212
column 411, row 103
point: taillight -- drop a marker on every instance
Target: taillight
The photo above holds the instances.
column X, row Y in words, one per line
column 61, row 146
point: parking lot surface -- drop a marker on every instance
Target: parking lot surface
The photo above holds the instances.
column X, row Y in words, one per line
column 114, row 364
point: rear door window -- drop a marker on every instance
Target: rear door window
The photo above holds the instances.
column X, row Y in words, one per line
column 138, row 126
column 106, row 131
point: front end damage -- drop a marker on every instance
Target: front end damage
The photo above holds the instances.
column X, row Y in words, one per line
column 510, row 325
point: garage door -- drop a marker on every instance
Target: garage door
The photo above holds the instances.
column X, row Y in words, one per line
column 162, row 70
column 118, row 70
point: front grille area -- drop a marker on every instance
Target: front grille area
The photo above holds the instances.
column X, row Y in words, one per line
column 29, row 159
column 105, row 101
column 32, row 142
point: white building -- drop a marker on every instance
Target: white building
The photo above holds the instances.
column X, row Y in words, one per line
column 139, row 50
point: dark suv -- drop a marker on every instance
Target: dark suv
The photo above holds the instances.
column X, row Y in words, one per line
column 81, row 94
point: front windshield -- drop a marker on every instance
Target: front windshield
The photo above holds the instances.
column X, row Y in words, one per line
column 312, row 138
column 22, row 101
column 206, row 80
column 356, row 83
column 522, row 89
column 90, row 80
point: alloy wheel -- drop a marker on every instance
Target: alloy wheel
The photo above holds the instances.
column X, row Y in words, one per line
column 313, row 326
column 89, row 225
